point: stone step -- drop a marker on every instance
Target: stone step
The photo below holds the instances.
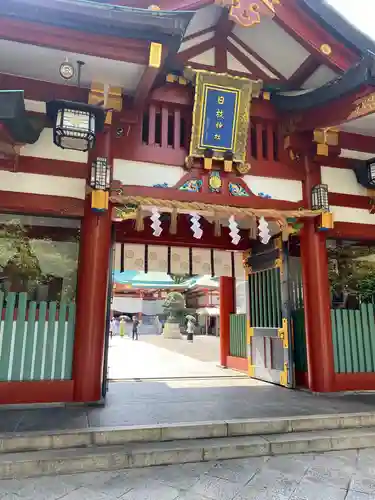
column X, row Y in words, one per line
column 106, row 458
column 55, row 440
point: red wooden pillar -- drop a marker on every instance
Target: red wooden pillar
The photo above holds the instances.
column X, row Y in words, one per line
column 316, row 292
column 227, row 307
column 92, row 293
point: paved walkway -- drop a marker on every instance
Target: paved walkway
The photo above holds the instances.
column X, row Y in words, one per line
column 153, row 357
column 344, row 475
column 172, row 401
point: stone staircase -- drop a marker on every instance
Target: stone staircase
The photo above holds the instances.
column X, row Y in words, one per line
column 101, row 449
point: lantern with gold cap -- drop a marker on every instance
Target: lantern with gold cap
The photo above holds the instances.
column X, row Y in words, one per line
column 100, row 182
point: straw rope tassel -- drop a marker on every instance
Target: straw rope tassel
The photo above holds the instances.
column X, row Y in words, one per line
column 225, row 210
column 173, row 226
column 139, row 222
column 217, row 227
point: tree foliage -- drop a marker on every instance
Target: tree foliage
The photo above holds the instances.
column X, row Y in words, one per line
column 27, row 262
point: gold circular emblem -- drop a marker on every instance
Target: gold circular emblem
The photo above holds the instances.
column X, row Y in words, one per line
column 243, row 168
column 326, row 49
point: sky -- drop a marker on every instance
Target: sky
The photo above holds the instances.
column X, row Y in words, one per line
column 361, row 13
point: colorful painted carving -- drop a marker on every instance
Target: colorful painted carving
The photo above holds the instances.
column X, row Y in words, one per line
column 264, row 195
column 236, row 189
column 215, row 182
column 249, row 12
column 192, row 185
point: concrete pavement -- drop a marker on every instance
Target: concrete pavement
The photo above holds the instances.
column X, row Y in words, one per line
column 153, row 357
column 344, row 475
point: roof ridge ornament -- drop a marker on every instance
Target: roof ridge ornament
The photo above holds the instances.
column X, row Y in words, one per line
column 247, row 13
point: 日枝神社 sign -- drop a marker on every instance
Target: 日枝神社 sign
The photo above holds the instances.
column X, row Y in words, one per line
column 221, row 115
column 219, row 118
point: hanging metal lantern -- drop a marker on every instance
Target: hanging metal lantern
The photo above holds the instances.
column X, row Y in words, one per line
column 319, row 197
column 75, row 124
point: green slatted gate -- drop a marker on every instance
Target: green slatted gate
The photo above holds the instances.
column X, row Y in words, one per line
column 36, row 339
column 269, row 341
column 353, row 336
column 238, row 332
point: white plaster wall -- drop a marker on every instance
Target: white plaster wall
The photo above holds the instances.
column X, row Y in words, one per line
column 127, row 304
column 235, row 65
column 19, row 182
column 207, row 58
column 278, row 189
column 35, row 106
column 274, row 45
column 342, row 180
column 137, row 173
column 353, row 215
column 241, row 296
column 204, row 18
column 45, row 148
column 135, row 305
column 356, row 155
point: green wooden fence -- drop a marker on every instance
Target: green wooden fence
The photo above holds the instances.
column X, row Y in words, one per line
column 238, row 331
column 36, row 340
column 353, row 333
column 300, row 351
column 265, row 299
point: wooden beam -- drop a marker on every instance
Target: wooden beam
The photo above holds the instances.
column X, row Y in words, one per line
column 197, row 34
column 40, row 204
column 43, row 35
column 223, row 28
column 36, row 90
column 303, row 72
column 357, row 142
column 309, row 33
column 336, row 112
column 148, row 79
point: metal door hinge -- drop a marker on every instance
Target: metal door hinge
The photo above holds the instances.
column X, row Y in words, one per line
column 283, row 333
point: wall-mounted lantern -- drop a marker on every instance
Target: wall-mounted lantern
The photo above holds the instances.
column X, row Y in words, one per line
column 371, row 172
column 319, row 195
column 319, row 198
column 75, row 124
column 100, row 182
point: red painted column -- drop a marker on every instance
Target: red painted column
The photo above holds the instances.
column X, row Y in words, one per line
column 227, row 307
column 92, row 293
column 316, row 291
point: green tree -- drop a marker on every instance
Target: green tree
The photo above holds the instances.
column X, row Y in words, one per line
column 21, row 258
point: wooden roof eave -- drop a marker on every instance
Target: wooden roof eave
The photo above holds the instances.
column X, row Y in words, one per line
column 340, row 27
column 112, row 20
column 359, row 75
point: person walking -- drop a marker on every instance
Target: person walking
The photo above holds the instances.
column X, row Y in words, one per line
column 135, row 328
column 122, row 326
column 190, row 328
column 115, row 326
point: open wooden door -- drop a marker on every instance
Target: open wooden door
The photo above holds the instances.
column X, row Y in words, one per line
column 270, row 350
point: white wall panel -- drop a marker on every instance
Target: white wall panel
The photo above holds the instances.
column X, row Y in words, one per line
column 19, row 182
column 45, row 148
column 137, row 173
